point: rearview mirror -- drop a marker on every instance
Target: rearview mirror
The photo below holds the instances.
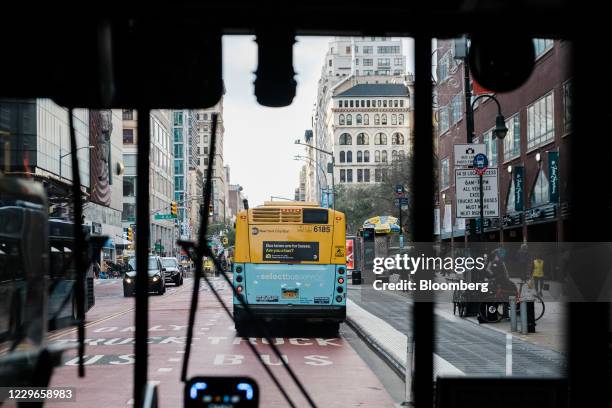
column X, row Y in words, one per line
column 230, row 392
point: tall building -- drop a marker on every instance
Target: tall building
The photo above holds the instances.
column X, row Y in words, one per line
column 183, row 130
column 235, row 200
column 163, row 234
column 203, row 123
column 351, row 61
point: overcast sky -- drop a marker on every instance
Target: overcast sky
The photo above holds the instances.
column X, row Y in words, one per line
column 259, row 141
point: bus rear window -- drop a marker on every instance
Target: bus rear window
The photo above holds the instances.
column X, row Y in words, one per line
column 314, row 216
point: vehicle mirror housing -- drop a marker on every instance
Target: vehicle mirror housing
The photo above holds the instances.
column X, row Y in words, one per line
column 235, row 392
column 501, row 63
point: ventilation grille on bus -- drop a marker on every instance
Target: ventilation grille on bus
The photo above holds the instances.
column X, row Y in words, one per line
column 266, row 215
column 274, row 215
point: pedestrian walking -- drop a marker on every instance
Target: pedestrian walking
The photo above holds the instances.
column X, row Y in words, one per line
column 524, row 262
column 538, row 274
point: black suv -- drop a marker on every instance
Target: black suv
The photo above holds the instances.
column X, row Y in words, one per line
column 172, row 271
column 156, row 280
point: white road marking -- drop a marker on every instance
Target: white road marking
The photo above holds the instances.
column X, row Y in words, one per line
column 174, row 360
column 164, row 370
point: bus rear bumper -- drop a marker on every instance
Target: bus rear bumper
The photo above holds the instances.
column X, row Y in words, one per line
column 335, row 313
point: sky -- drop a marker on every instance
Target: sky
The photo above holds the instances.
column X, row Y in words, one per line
column 259, row 141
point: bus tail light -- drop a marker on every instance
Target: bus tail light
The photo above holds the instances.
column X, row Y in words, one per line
column 341, row 271
column 338, row 298
column 238, row 279
column 239, row 289
column 339, row 289
column 239, row 269
column 341, row 280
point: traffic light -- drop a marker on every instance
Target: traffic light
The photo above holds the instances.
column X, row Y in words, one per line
column 173, row 209
column 130, row 234
column 211, row 210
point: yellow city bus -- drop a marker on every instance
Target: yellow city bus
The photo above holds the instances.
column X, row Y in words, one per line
column 290, row 263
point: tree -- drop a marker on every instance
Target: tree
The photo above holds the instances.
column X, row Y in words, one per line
column 358, row 203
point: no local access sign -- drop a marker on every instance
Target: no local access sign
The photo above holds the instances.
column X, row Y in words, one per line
column 467, row 185
column 464, row 153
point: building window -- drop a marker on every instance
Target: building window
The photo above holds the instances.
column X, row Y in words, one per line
column 349, row 119
column 366, row 156
column 178, row 118
column 367, row 49
column 341, row 120
column 377, row 175
column 394, row 155
column 567, row 106
column 540, row 121
column 363, row 139
column 383, row 119
column 539, row 194
column 377, row 156
column 342, row 157
column 490, row 142
column 444, row 173
column 401, row 154
column 384, row 62
column 394, row 118
column 366, row 175
column 377, row 119
column 343, row 176
column 129, row 161
column 457, row 108
column 129, row 186
column 351, row 103
column 359, row 118
column 129, row 212
column 398, row 61
column 397, row 139
column 330, row 63
column 128, row 136
column 380, row 139
column 128, row 114
column 385, row 103
column 443, row 119
column 444, row 66
column 340, row 103
column 345, row 139
column 359, row 156
column 359, row 175
column 542, row 45
column 368, row 62
column 512, row 141
column 366, row 117
column 384, row 156
column 349, row 176
column 400, row 119
column 349, row 157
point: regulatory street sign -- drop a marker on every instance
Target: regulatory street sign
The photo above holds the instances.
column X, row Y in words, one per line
column 467, row 185
column 464, row 153
column 165, row 216
column 402, row 201
column 399, row 189
column 481, row 164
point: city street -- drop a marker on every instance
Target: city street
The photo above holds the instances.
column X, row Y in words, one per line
column 323, row 364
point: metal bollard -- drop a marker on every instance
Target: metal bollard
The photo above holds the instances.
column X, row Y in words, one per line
column 409, row 398
column 512, row 300
column 524, row 317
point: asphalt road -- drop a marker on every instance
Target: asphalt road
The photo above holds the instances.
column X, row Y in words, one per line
column 337, row 372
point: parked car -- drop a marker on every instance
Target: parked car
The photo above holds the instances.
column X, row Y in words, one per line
column 156, row 280
column 173, row 271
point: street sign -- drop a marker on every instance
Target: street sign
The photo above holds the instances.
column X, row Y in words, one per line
column 399, row 189
column 402, row 201
column 481, row 164
column 165, row 216
column 467, row 185
column 464, row 153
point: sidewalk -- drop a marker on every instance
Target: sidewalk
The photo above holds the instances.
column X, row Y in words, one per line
column 551, row 330
column 389, row 342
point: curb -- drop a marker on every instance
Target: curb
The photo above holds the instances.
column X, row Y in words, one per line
column 394, row 363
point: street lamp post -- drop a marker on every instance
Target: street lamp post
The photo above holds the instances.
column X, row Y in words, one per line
column 333, row 168
column 68, row 154
column 304, row 158
column 499, row 132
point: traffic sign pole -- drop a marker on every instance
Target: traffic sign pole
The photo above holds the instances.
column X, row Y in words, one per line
column 482, row 234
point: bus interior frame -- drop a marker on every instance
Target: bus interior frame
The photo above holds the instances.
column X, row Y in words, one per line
column 105, row 61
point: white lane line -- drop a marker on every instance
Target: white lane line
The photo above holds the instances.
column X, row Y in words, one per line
column 180, row 352
column 164, row 370
column 174, row 360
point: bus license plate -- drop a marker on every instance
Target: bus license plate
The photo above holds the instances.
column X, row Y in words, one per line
column 290, row 293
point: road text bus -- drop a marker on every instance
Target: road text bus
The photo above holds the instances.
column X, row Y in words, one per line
column 290, row 263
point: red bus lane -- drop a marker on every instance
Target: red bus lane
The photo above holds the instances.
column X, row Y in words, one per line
column 324, row 365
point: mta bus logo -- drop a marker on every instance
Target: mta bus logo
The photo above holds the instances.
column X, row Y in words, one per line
column 254, row 230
